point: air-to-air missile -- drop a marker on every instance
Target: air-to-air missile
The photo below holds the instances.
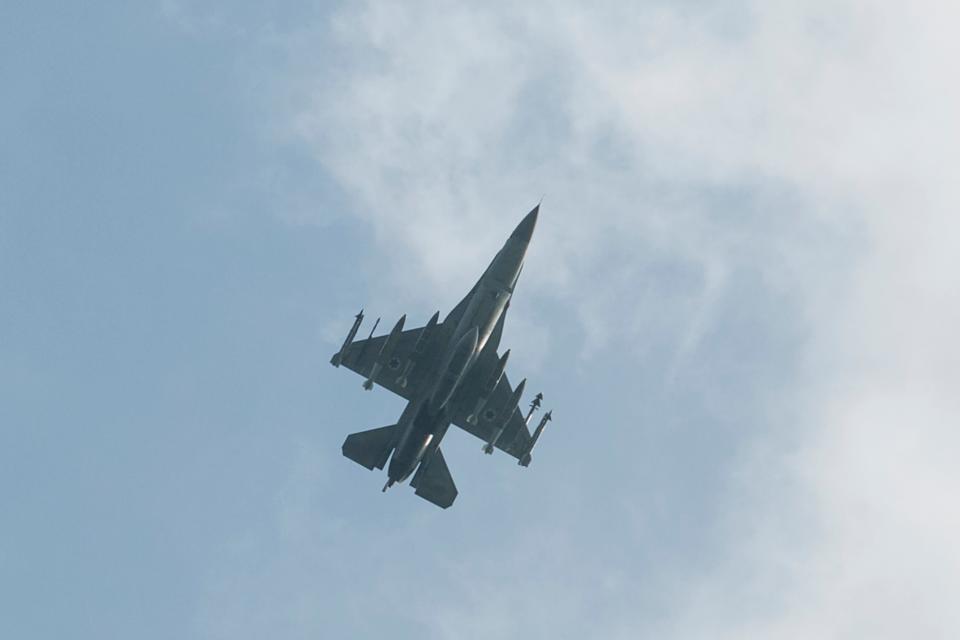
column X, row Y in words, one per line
column 489, row 386
column 418, row 349
column 366, row 343
column 338, row 356
column 509, row 409
column 424, row 335
column 525, row 458
column 537, row 399
column 385, row 352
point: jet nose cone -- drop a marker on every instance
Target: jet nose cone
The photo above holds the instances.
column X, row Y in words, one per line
column 524, row 230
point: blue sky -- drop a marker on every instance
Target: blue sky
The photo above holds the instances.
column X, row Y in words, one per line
column 739, row 302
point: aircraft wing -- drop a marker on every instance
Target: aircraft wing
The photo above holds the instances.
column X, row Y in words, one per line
column 361, row 355
column 515, row 438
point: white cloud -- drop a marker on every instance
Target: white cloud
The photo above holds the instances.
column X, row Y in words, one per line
column 678, row 143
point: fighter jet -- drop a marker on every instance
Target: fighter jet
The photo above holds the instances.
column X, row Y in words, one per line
column 449, row 372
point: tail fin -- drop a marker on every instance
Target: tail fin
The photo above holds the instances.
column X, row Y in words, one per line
column 371, row 448
column 433, row 481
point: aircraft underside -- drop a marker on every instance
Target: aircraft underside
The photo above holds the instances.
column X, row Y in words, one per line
column 450, row 373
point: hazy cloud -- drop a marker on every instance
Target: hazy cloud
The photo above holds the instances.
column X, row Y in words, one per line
column 685, row 148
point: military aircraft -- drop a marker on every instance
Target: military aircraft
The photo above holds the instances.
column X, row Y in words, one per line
column 449, row 372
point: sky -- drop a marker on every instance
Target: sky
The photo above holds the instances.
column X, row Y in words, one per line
column 740, row 302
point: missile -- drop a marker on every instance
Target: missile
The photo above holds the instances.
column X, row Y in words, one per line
column 421, row 342
column 385, row 352
column 514, row 400
column 497, row 372
column 533, row 407
column 510, row 408
column 488, row 388
column 366, row 343
column 525, row 458
column 481, row 403
column 338, row 356
column 547, row 417
column 402, row 379
column 390, row 344
column 418, row 348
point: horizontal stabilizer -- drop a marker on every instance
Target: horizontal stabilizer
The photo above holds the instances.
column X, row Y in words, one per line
column 433, row 482
column 371, row 448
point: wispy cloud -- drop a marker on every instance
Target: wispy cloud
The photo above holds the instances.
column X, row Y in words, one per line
column 682, row 146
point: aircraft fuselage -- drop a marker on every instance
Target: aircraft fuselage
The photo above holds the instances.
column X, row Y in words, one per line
column 427, row 416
